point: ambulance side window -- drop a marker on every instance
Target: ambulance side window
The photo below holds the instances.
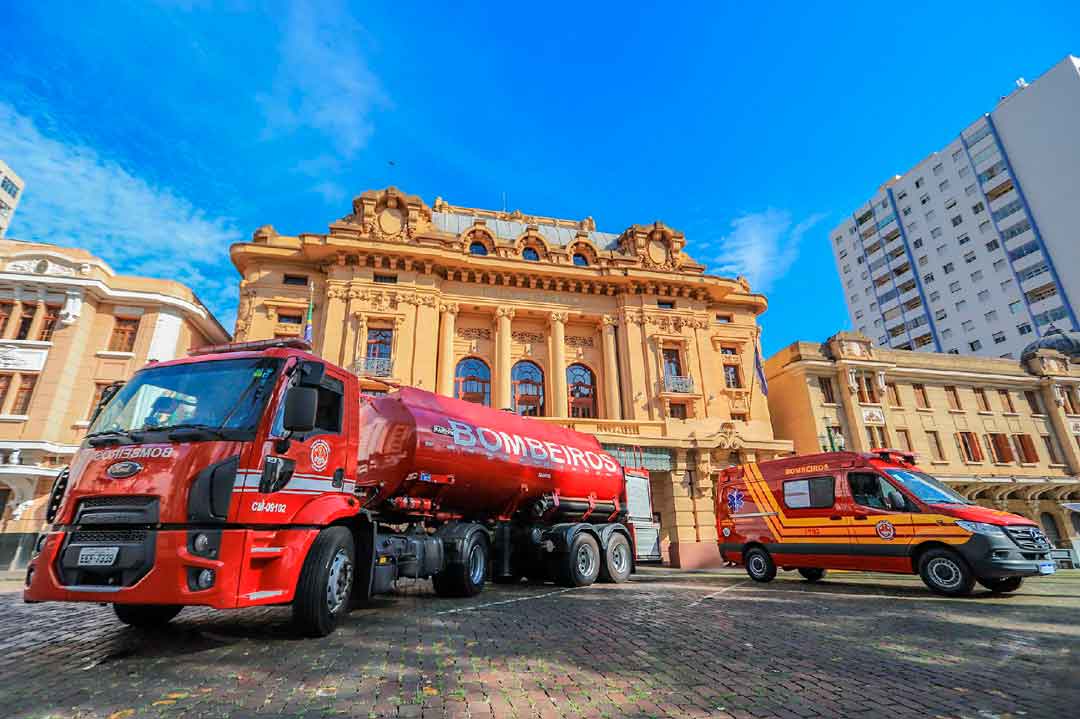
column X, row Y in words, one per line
column 869, row 490
column 810, row 493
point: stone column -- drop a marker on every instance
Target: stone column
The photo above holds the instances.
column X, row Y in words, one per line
column 1054, row 401
column 334, row 322
column 16, row 316
column 447, row 314
column 359, row 344
column 39, row 319
column 848, row 396
column 353, row 318
column 612, row 400
column 560, row 401
column 503, row 329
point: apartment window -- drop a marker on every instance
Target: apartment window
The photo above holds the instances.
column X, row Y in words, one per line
column 953, row 396
column 923, row 259
column 935, row 233
column 943, row 185
column 937, row 451
column 960, row 305
column 984, row 227
column 879, row 438
column 389, row 279
column 940, row 315
column 990, row 316
column 930, row 215
column 937, row 169
column 956, row 220
column 903, row 438
column 999, row 338
column 968, row 325
column 992, row 245
column 977, row 208
column 1006, row 401
column 922, row 400
column 731, row 377
column 941, row 249
column 10, row 187
column 969, row 190
column 5, row 314
column 969, row 257
column 964, row 171
column 1033, row 402
column 23, row 394
column 935, row 296
column 919, row 183
column 917, row 243
column 867, row 390
column 289, row 318
column 999, row 265
column 722, row 319
column 858, row 314
column 677, row 410
column 894, row 394
column 984, row 295
column 928, row 277
column 968, row 444
column 981, row 401
column 949, row 268
column 670, row 305
column 946, row 333
column 1000, row 448
column 25, row 320
column 963, row 239
column 1005, row 285
column 1025, row 449
column 48, row 323
column 1051, row 449
column 905, row 211
column 827, row 390
column 123, row 334
column 975, row 345
column 5, row 385
column 1024, row 328
column 299, row 280
column 1072, row 400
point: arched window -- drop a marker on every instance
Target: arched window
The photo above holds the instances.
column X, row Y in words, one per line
column 478, row 248
column 530, row 254
column 527, row 380
column 472, row 381
column 581, row 387
column 581, row 260
column 1050, row 526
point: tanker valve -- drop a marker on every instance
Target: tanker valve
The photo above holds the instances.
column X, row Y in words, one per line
column 418, row 504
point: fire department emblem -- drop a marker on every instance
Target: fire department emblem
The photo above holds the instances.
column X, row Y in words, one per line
column 735, row 500
column 885, row 529
column 320, row 455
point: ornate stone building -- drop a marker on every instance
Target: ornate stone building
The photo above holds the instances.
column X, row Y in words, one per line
column 1001, row 432
column 618, row 334
column 69, row 326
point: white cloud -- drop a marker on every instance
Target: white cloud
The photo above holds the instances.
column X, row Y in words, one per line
column 76, row 197
column 762, row 246
column 323, row 81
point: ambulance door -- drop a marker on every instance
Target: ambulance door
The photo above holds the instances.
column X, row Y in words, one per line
column 816, row 529
column 881, row 522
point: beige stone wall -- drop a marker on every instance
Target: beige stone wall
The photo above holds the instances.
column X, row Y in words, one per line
column 399, row 264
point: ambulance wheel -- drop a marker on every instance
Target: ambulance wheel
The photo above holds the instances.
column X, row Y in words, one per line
column 945, row 572
column 465, row 579
column 1002, row 585
column 325, row 585
column 581, row 565
column 617, row 560
column 812, row 575
column 146, row 616
column 759, row 565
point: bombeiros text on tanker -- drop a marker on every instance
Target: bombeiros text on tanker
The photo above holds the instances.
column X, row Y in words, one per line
column 466, row 435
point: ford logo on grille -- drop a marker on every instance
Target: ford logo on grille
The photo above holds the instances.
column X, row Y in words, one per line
column 120, row 470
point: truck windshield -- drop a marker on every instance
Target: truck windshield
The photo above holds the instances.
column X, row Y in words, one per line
column 224, row 396
column 925, row 487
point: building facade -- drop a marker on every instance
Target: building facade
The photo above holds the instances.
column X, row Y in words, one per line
column 621, row 335
column 70, row 326
column 1001, row 432
column 11, row 187
column 975, row 249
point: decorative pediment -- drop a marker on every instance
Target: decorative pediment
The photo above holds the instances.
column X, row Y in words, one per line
column 656, row 246
column 390, row 215
column 40, row 265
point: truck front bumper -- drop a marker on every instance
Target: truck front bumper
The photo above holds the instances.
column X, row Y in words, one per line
column 147, row 566
column 996, row 556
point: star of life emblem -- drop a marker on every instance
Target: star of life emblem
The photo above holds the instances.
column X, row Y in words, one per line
column 735, row 500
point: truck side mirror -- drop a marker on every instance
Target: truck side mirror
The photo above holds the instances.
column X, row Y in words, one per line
column 300, row 406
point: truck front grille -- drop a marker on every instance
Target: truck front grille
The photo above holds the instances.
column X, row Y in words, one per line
column 1029, row 538
column 108, row 536
column 118, row 509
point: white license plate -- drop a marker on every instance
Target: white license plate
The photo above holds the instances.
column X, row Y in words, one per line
column 98, row 556
column 1047, row 568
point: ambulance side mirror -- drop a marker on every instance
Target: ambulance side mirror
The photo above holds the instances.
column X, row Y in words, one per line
column 300, row 406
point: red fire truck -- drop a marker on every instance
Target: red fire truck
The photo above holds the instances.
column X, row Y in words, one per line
column 257, row 473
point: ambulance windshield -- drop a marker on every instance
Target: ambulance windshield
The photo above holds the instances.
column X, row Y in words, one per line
column 925, row 487
column 223, row 396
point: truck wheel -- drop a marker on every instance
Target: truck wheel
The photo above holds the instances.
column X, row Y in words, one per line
column 146, row 616
column 581, row 565
column 325, row 585
column 945, row 572
column 1002, row 585
column 759, row 565
column 465, row 579
column 617, row 560
column 812, row 575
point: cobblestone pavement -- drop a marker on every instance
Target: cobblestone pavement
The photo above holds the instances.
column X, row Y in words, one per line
column 664, row 644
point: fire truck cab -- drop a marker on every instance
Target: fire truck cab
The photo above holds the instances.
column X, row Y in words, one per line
column 873, row 511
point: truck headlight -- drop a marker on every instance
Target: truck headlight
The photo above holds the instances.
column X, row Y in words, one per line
column 980, row 527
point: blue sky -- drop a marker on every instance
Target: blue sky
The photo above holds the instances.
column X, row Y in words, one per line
column 155, row 134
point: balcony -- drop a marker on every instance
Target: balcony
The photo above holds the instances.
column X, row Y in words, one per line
column 675, row 383
column 374, row 366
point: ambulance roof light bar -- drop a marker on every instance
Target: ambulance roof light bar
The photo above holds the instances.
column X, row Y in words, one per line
column 895, row 456
column 290, row 343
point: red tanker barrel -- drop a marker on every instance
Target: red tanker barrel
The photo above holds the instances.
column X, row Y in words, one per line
column 497, row 459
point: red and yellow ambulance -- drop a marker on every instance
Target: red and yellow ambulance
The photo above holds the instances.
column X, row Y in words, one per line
column 872, row 511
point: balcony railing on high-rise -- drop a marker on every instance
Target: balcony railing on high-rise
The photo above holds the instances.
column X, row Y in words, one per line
column 676, row 383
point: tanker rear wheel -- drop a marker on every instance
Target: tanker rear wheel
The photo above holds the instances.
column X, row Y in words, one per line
column 618, row 560
column 581, row 565
column 465, row 579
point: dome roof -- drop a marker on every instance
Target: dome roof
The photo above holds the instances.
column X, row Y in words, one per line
column 1065, row 342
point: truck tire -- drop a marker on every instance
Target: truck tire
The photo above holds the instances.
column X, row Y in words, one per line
column 760, row 565
column 465, row 579
column 1002, row 585
column 581, row 565
column 945, row 572
column 146, row 616
column 325, row 585
column 812, row 575
column 618, row 560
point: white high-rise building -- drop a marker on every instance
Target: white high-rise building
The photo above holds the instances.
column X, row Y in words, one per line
column 11, row 187
column 976, row 249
